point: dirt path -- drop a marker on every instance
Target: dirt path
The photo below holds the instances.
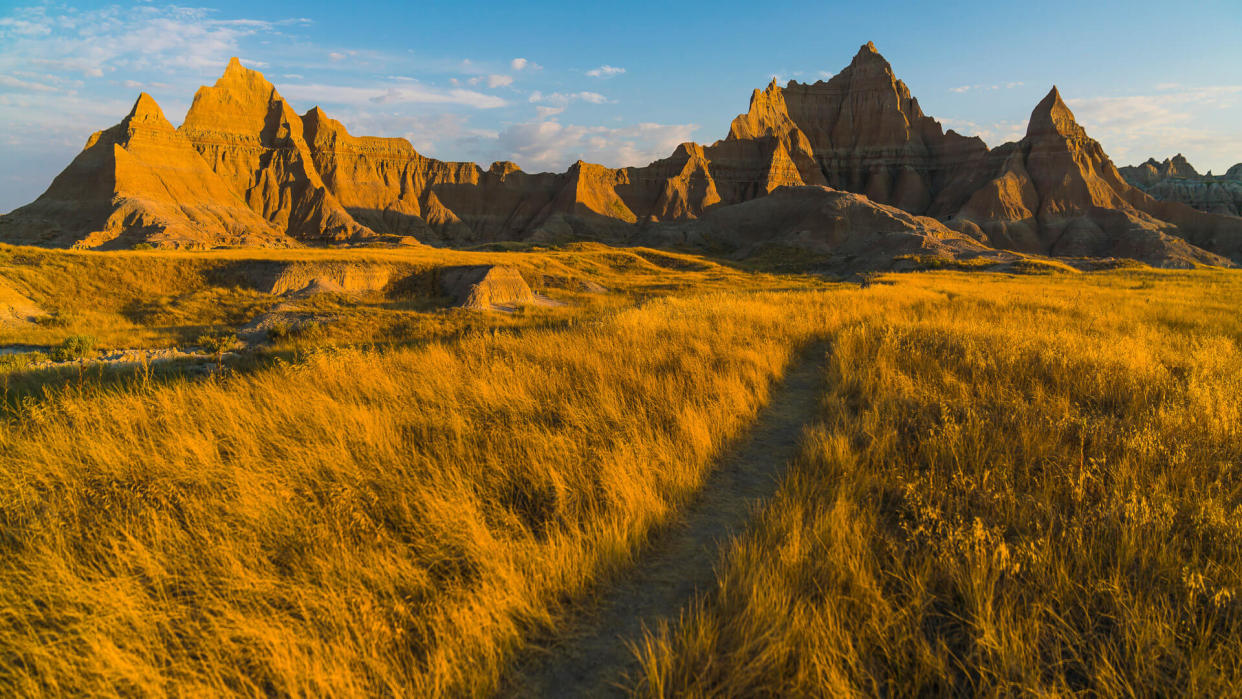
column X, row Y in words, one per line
column 592, row 658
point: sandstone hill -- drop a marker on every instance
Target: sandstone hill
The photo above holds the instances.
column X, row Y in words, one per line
column 245, row 169
column 139, row 182
column 1176, row 180
column 1056, row 192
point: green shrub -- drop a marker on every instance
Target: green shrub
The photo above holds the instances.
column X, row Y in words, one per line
column 217, row 343
column 74, row 347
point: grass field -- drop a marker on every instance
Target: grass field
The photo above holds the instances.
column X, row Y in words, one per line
column 1014, row 485
column 1029, row 488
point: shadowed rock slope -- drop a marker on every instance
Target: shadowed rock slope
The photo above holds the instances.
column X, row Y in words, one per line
column 275, row 177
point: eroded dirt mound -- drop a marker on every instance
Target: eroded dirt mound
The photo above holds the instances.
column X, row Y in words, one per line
column 485, row 286
column 848, row 232
column 283, row 279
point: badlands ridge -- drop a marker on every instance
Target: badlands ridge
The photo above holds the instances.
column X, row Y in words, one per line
column 849, row 169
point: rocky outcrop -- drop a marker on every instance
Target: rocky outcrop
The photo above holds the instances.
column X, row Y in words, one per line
column 1056, row 192
column 485, row 287
column 867, row 134
column 846, row 232
column 251, row 137
column 1175, row 180
column 139, row 182
column 245, row 169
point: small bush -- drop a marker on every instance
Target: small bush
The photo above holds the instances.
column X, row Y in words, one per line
column 144, row 246
column 74, row 347
column 217, row 342
column 284, row 330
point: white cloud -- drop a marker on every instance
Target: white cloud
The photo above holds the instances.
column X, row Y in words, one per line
column 406, row 93
column 25, row 27
column 492, row 81
column 550, row 145
column 1178, row 119
column 997, row 86
column 337, row 56
column 605, row 71
column 517, row 63
column 123, row 38
column 15, row 83
column 562, row 99
column 993, row 134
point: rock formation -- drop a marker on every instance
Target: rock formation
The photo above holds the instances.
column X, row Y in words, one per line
column 244, row 168
column 845, row 232
column 1056, row 192
column 139, row 182
column 252, row 138
column 484, row 287
column 1175, row 180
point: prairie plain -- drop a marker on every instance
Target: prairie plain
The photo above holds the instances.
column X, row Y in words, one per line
column 306, row 472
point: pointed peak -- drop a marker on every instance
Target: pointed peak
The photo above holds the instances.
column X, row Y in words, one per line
column 315, row 113
column 1051, row 115
column 867, row 53
column 237, row 74
column 145, row 106
column 145, row 110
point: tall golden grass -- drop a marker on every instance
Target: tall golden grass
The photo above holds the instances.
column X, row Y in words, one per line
column 1032, row 487
column 370, row 522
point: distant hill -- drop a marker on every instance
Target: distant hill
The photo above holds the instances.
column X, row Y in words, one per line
column 1175, row 179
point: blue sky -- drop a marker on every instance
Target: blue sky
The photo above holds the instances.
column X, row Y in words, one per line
column 544, row 84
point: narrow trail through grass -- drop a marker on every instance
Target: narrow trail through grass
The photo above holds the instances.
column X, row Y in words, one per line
column 595, row 654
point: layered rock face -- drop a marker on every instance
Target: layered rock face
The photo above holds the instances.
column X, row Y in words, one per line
column 245, row 169
column 251, row 137
column 139, row 182
column 1056, row 192
column 1175, row 180
column 867, row 134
